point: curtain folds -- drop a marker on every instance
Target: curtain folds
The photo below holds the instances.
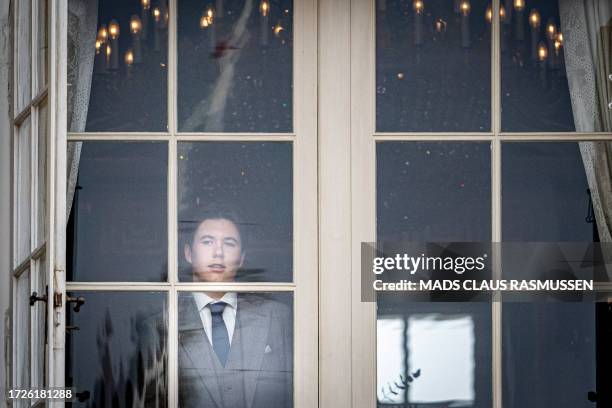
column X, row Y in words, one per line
column 82, row 32
column 588, row 57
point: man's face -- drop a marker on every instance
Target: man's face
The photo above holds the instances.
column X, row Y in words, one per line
column 215, row 253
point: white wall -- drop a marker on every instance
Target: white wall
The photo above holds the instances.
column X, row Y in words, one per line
column 5, row 186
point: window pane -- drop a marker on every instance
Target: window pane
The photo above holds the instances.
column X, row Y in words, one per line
column 433, row 66
column 24, row 183
column 544, row 193
column 433, row 192
column 43, row 42
column 238, row 353
column 24, row 53
column 117, row 66
column 22, row 333
column 43, row 134
column 235, row 66
column 238, row 192
column 116, row 350
column 118, row 226
column 545, row 198
column 555, row 67
column 39, row 339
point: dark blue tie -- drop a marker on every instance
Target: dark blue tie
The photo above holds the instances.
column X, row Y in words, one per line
column 220, row 338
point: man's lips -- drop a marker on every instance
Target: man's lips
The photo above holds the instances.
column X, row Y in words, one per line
column 216, row 268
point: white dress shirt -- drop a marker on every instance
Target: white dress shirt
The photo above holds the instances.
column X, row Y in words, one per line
column 229, row 313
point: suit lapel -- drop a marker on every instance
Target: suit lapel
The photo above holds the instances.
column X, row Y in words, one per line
column 249, row 342
column 195, row 344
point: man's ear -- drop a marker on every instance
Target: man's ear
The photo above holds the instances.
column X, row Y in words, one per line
column 187, row 251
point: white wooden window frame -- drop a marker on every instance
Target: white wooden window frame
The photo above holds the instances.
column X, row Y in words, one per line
column 305, row 250
column 39, row 246
column 347, row 133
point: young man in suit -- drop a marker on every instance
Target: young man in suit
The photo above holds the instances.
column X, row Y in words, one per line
column 235, row 350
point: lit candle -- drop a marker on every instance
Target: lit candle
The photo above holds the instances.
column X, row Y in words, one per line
column 519, row 19
column 542, row 57
column 136, row 30
column 129, row 61
column 551, row 34
column 264, row 21
column 144, row 16
column 534, row 23
column 101, row 42
column 418, row 7
column 107, row 54
column 157, row 18
column 465, row 23
column 559, row 53
column 114, row 31
column 212, row 28
column 502, row 28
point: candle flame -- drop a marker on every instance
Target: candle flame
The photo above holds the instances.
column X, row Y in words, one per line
column 109, row 50
column 129, row 58
column 551, row 29
column 418, row 6
column 542, row 52
column 98, row 46
column 440, row 25
column 135, row 24
column 489, row 14
column 113, row 29
column 264, row 8
column 145, row 4
column 204, row 21
column 519, row 5
column 465, row 7
column 502, row 13
column 534, row 18
column 156, row 14
column 103, row 34
column 560, row 37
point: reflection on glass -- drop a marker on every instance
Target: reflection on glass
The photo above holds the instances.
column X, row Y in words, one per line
column 117, row 71
column 23, row 64
column 117, row 352
column 433, row 66
column 235, row 66
column 235, row 350
column 545, row 194
column 433, row 191
column 546, row 198
column 554, row 74
column 22, row 331
column 24, row 196
column 43, row 134
column 549, row 354
column 118, row 225
column 239, row 192
column 433, row 353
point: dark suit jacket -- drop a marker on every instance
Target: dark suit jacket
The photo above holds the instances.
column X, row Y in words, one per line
column 259, row 368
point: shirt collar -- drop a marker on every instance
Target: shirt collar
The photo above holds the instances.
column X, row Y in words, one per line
column 202, row 300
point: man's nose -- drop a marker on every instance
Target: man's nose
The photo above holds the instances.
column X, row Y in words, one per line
column 218, row 250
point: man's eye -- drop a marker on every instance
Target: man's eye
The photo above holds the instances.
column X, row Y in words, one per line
column 207, row 242
column 230, row 243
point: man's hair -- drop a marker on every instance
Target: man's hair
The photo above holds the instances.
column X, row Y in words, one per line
column 190, row 224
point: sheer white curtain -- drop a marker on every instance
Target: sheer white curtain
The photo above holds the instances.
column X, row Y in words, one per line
column 82, row 32
column 588, row 56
